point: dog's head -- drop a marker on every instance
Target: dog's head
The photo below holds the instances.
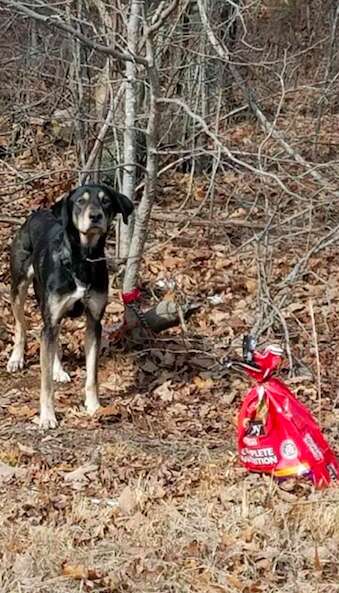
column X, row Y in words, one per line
column 90, row 209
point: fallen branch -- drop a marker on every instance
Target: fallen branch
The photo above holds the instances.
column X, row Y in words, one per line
column 139, row 326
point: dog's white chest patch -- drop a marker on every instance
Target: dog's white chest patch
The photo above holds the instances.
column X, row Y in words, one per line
column 80, row 290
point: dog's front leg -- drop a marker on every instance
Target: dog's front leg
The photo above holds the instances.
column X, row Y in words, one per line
column 92, row 348
column 47, row 355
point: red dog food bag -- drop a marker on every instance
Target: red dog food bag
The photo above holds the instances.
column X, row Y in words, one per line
column 276, row 433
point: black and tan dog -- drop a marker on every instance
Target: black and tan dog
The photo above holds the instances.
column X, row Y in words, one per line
column 62, row 251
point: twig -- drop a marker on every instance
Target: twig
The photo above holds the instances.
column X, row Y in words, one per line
column 99, row 141
column 224, row 54
column 299, row 267
column 174, row 218
column 287, row 335
column 10, row 220
column 54, row 21
column 316, row 349
column 224, row 149
column 163, row 16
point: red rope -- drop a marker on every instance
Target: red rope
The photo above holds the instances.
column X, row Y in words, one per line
column 130, row 297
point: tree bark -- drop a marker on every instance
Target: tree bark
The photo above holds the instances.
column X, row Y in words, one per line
column 144, row 210
column 129, row 174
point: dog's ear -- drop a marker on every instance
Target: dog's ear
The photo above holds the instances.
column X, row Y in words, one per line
column 60, row 209
column 120, row 203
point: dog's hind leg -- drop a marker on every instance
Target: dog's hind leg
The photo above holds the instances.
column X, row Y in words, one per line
column 18, row 296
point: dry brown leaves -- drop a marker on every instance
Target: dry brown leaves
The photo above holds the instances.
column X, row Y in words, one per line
column 147, row 495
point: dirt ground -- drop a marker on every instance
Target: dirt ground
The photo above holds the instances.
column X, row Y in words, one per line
column 149, row 496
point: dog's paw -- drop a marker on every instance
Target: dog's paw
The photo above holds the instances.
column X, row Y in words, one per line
column 47, row 420
column 92, row 405
column 15, row 363
column 60, row 376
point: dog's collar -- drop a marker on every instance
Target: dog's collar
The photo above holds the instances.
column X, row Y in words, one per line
column 93, row 260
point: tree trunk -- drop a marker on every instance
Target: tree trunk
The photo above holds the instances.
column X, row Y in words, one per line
column 144, row 210
column 129, row 175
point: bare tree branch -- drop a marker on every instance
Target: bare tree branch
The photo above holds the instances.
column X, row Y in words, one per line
column 224, row 148
column 224, row 54
column 211, row 223
column 331, row 237
column 55, row 21
column 99, row 141
column 163, row 16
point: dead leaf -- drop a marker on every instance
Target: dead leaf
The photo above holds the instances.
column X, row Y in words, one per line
column 112, row 410
column 75, row 571
column 263, row 564
column 135, row 521
column 238, row 213
column 228, row 398
column 164, row 391
column 317, row 563
column 168, row 359
column 7, row 472
column 293, row 307
column 80, row 572
column 22, row 411
column 149, row 367
column 251, row 284
column 80, row 474
column 178, row 410
column 201, row 361
column 203, row 384
column 129, row 500
column 218, row 316
column 234, row 581
column 26, row 450
column 199, row 193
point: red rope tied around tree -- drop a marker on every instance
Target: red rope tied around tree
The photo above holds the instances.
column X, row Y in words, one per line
column 131, row 296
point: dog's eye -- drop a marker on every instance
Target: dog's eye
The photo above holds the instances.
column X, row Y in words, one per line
column 81, row 201
column 105, row 200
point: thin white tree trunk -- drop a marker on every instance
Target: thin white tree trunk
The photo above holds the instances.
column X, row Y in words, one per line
column 129, row 175
column 144, row 210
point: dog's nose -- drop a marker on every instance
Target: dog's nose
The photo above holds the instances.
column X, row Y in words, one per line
column 95, row 217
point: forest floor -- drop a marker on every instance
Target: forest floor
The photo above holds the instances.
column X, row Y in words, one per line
column 149, row 496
